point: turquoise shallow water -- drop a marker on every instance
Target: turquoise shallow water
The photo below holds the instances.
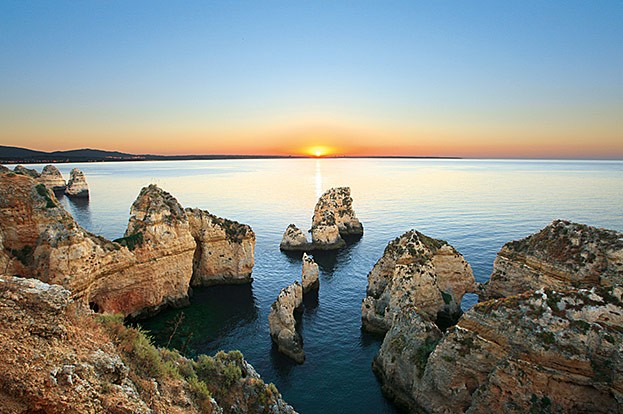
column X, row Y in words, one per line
column 476, row 205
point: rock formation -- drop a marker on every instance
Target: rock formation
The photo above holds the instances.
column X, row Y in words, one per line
column 225, row 249
column 416, row 270
column 283, row 325
column 542, row 351
column 58, row 357
column 333, row 218
column 294, row 240
column 152, row 270
column 77, row 185
column 560, row 256
column 20, row 169
column 52, row 178
column 309, row 274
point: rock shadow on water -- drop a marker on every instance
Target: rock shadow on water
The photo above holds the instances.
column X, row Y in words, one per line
column 214, row 314
column 311, row 301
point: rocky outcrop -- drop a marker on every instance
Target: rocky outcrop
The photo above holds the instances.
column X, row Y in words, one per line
column 416, row 270
column 225, row 249
column 52, row 178
column 542, row 351
column 561, row 256
column 309, row 274
column 77, row 185
column 333, row 218
column 20, row 169
column 58, row 357
column 294, row 240
column 282, row 324
column 148, row 269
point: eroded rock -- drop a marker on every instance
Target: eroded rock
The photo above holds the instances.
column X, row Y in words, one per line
column 52, row 178
column 416, row 270
column 282, row 324
column 294, row 240
column 309, row 274
column 334, row 218
column 77, row 185
column 225, row 249
column 563, row 255
column 20, row 169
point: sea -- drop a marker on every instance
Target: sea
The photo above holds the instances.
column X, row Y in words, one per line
column 475, row 205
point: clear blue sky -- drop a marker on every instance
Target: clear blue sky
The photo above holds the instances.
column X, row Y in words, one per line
column 466, row 78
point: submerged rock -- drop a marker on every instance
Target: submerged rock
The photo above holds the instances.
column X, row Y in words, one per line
column 563, row 255
column 77, row 185
column 294, row 240
column 309, row 274
column 52, row 178
column 225, row 249
column 282, row 324
column 416, row 270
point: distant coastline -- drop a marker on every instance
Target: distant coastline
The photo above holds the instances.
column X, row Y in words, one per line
column 17, row 155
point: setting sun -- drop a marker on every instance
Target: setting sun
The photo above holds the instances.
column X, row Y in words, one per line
column 318, row 151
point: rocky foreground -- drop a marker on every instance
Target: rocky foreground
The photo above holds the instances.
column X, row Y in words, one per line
column 554, row 348
column 151, row 267
column 56, row 356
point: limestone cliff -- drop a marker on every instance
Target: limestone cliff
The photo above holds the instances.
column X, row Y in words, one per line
column 560, row 256
column 294, row 240
column 225, row 249
column 52, row 178
column 309, row 276
column 542, row 351
column 20, row 169
column 282, row 324
column 77, row 185
column 58, row 357
column 416, row 270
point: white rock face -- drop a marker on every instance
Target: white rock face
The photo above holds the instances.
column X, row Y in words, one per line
column 283, row 325
column 416, row 270
column 225, row 249
column 77, row 185
column 294, row 240
column 309, row 274
column 52, row 178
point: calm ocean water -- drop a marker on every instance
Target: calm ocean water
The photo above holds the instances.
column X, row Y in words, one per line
column 476, row 205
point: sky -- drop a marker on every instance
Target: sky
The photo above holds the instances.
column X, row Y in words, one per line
column 482, row 79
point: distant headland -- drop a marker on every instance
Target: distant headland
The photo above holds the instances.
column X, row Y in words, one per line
column 17, row 155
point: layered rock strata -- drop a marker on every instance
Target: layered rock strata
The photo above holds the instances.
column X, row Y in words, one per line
column 148, row 269
column 416, row 270
column 282, row 324
column 57, row 357
column 560, row 256
column 334, row 218
column 541, row 351
column 309, row 276
column 77, row 185
column 294, row 240
column 225, row 249
column 52, row 178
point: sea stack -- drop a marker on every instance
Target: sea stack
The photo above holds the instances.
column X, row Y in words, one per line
column 225, row 249
column 309, row 274
column 77, row 185
column 294, row 240
column 560, row 256
column 20, row 169
column 416, row 270
column 282, row 324
column 334, row 218
column 52, row 178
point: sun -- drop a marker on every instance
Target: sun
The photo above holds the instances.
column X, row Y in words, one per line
column 318, row 151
